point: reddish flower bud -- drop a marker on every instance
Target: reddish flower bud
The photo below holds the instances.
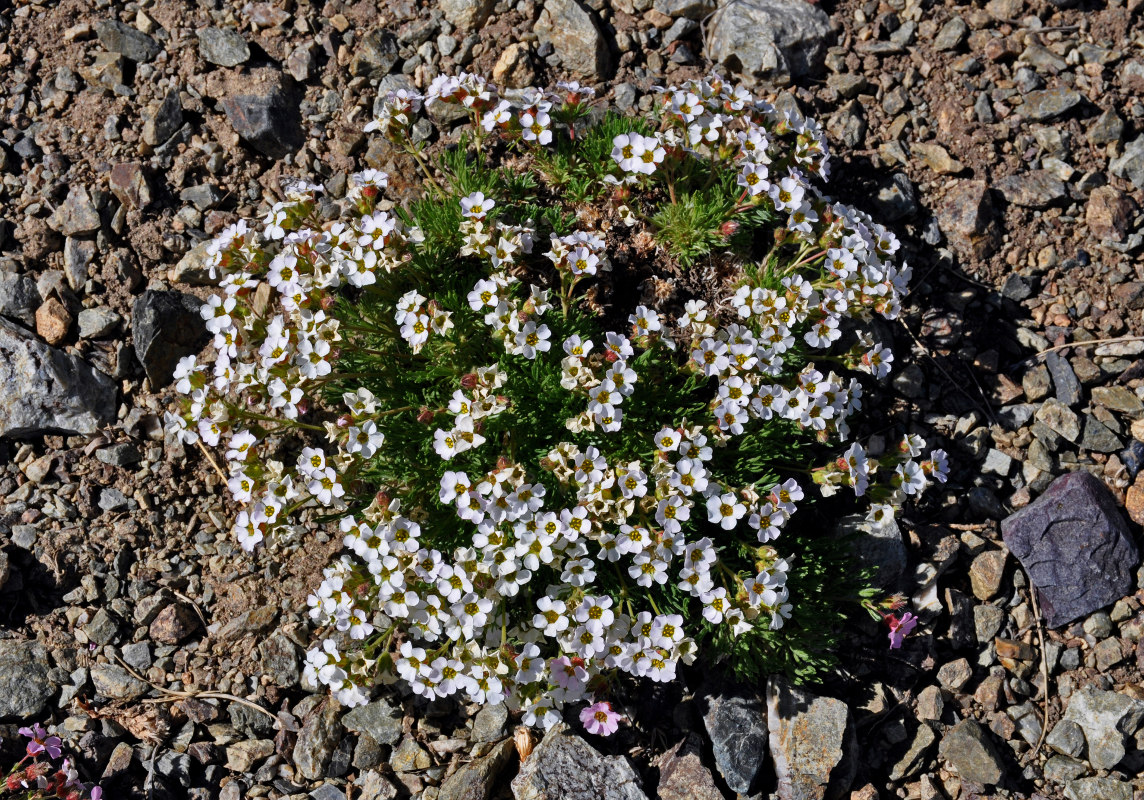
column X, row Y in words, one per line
column 344, row 421
column 370, row 192
column 611, row 356
column 469, row 381
column 328, row 301
column 503, row 463
column 382, row 498
column 303, row 407
column 729, row 228
column 425, row 416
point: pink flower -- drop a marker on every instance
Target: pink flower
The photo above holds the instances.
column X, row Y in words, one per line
column 900, row 628
column 600, row 719
column 41, row 742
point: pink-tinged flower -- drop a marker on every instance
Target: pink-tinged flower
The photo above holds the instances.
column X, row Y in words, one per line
column 96, row 793
column 600, row 719
column 900, row 628
column 41, row 742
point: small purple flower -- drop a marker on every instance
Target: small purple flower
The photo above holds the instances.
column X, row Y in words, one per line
column 41, row 742
column 900, row 628
column 96, row 793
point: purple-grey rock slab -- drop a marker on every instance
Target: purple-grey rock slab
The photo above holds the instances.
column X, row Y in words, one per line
column 1075, row 546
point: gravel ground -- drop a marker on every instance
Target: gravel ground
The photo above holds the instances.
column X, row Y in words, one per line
column 1003, row 141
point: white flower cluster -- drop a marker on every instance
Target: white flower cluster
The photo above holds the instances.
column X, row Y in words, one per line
column 504, row 588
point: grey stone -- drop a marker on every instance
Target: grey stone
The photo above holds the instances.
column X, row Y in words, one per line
column 76, row 215
column 376, row 54
column 102, row 627
column 1105, row 129
column 736, row 722
column 489, row 723
column 477, row 779
column 682, row 774
column 203, row 197
column 280, row 660
column 46, row 390
column 811, row 741
column 116, row 683
column 264, row 112
column 565, row 767
column 896, row 198
column 1060, row 419
column 1130, row 164
column 19, row 298
column 848, row 125
column 967, row 218
column 116, row 37
column 1106, row 788
column 95, row 323
column 327, row 791
column 916, row 757
column 969, row 749
column 1075, row 546
column 320, row 734
column 951, row 34
column 880, row 549
column 1062, row 769
column 375, row 786
column 1097, row 436
column 164, row 120
column 25, row 687
column 467, row 15
column 137, row 656
column 574, row 32
column 1049, row 104
column 1038, row 188
column 223, row 46
column 165, row 326
column 1067, row 737
column 1108, row 720
column 987, row 622
column 78, row 254
column 997, row 463
column 955, row 674
column 691, row 9
column 1064, row 379
column 626, row 96
column 777, row 39
column 379, row 719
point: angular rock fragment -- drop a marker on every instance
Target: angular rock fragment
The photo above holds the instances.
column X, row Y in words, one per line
column 777, row 39
column 43, row 389
column 574, row 32
column 166, row 326
column 1075, row 546
column 812, row 743
column 565, row 767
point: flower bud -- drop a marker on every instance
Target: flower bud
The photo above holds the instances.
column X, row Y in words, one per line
column 382, row 498
column 729, row 228
column 469, row 381
column 425, row 415
column 303, row 407
column 328, row 301
column 344, row 421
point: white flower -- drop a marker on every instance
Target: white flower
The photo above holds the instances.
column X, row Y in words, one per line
column 364, row 440
column 533, row 339
column 726, row 510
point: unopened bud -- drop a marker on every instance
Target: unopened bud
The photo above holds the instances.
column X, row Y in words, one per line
column 303, row 407
column 425, row 415
column 328, row 301
column 503, row 463
column 469, row 381
column 611, row 356
column 382, row 498
column 729, row 228
column 344, row 421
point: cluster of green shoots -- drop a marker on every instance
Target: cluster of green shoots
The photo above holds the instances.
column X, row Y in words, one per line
column 540, row 491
